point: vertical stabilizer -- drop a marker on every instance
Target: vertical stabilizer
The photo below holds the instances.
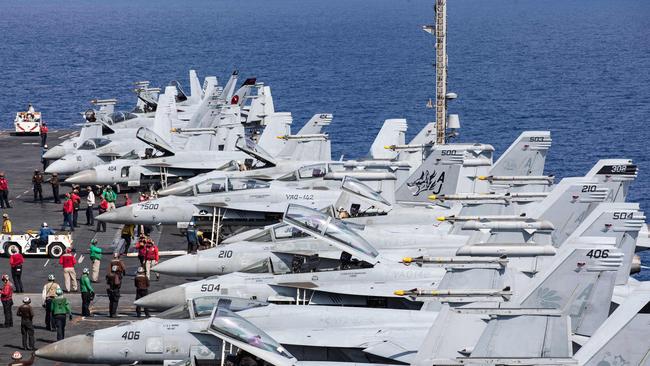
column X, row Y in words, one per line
column 277, row 124
column 525, row 157
column 196, row 93
column 448, row 169
column 623, row 338
column 580, row 280
column 393, row 132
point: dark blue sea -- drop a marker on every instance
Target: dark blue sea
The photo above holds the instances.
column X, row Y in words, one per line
column 580, row 68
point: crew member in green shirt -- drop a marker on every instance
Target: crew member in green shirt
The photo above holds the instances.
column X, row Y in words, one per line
column 96, row 258
column 87, row 293
column 60, row 310
column 110, row 196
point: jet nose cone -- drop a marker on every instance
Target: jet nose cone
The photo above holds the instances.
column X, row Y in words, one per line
column 163, row 299
column 57, row 152
column 61, row 166
column 74, row 349
column 84, row 177
column 121, row 215
column 175, row 189
column 185, row 265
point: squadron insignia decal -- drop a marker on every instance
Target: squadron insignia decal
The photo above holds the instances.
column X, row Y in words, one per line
column 427, row 182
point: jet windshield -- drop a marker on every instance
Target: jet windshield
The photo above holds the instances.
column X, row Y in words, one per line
column 330, row 228
column 92, row 144
column 177, row 312
column 250, row 147
column 117, row 117
column 229, row 184
column 131, row 155
column 234, row 326
column 355, row 186
column 312, row 171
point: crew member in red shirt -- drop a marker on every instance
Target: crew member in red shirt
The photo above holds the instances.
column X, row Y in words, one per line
column 44, row 131
column 7, row 298
column 150, row 257
column 16, row 261
column 69, row 274
column 4, row 191
column 68, row 208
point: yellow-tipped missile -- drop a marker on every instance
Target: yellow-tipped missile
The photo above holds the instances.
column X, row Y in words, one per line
column 407, row 260
column 433, row 197
column 482, row 177
column 389, row 147
column 441, row 218
column 399, row 292
column 282, row 137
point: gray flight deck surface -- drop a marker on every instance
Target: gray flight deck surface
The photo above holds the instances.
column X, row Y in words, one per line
column 19, row 156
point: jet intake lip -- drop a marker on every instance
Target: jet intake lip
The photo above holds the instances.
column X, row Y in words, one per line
column 76, row 349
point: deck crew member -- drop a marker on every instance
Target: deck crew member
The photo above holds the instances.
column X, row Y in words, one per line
column 16, row 261
column 68, row 261
column 113, row 284
column 151, row 257
column 44, row 131
column 76, row 202
column 103, row 207
column 90, row 202
column 60, row 311
column 141, row 290
column 6, row 224
column 110, row 197
column 26, row 315
column 4, row 191
column 7, row 298
column 49, row 293
column 37, row 182
column 68, row 209
column 96, row 258
column 55, row 183
column 87, row 293
column 44, row 234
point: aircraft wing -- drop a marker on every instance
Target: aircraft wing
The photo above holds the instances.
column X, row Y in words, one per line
column 384, row 289
column 277, row 207
column 189, row 165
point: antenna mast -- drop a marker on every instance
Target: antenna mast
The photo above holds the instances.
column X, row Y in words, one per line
column 439, row 30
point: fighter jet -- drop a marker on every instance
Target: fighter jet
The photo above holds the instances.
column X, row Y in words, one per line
column 102, row 150
column 455, row 171
column 304, row 157
column 200, row 153
column 183, row 332
column 564, row 208
column 374, row 278
column 108, row 123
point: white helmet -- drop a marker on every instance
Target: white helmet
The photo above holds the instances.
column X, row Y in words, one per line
column 26, row 300
column 16, row 356
column 44, row 224
column 50, row 277
column 86, row 271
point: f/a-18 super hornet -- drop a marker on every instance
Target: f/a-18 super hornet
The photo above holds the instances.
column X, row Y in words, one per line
column 200, row 152
column 108, row 123
column 304, row 157
column 544, row 223
column 349, row 271
column 455, row 167
column 122, row 142
column 183, row 333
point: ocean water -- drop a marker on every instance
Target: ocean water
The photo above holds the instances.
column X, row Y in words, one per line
column 576, row 67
